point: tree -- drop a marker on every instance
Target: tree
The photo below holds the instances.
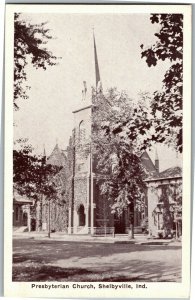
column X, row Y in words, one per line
column 119, row 169
column 31, row 174
column 167, row 104
column 29, row 47
column 34, row 178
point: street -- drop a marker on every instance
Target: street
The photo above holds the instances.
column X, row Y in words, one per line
column 50, row 260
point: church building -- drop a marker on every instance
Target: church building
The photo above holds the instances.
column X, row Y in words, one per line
column 89, row 213
column 84, row 210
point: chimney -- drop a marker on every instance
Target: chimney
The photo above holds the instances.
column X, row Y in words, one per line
column 156, row 161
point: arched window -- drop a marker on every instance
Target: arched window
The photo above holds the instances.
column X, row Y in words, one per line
column 81, row 214
column 82, row 132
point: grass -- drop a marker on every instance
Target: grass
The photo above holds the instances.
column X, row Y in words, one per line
column 35, row 260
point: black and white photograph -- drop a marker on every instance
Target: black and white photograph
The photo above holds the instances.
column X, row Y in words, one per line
column 97, row 169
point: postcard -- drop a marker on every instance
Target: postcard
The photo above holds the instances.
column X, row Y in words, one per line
column 97, row 151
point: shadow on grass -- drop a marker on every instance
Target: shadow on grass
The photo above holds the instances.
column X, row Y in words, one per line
column 50, row 251
column 65, row 261
column 146, row 271
column 45, row 273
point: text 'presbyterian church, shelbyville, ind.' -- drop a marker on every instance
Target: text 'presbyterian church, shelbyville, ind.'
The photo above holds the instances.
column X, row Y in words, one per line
column 82, row 209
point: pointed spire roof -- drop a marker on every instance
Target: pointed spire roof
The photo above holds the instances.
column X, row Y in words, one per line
column 56, row 148
column 44, row 152
column 97, row 71
column 57, row 157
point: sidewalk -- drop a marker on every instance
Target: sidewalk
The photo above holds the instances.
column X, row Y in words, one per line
column 118, row 239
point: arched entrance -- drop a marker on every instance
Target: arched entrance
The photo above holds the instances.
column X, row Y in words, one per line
column 119, row 223
column 81, row 215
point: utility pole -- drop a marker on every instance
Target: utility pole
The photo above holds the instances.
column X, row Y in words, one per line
column 49, row 226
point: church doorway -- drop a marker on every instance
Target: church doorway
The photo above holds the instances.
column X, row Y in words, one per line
column 119, row 223
column 81, row 215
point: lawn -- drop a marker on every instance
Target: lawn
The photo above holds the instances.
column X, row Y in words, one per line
column 50, row 260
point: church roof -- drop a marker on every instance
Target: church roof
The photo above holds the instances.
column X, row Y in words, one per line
column 57, row 157
column 21, row 199
column 148, row 165
column 152, row 172
column 171, row 172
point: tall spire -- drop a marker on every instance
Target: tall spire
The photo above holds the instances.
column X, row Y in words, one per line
column 44, row 159
column 97, row 72
column 44, row 152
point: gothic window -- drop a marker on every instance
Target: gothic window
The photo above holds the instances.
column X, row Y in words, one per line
column 82, row 132
column 81, row 214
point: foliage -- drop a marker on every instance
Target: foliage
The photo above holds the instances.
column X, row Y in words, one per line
column 136, row 124
column 167, row 104
column 115, row 151
column 29, row 47
column 32, row 176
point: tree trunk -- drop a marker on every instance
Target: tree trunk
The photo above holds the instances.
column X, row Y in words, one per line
column 131, row 232
column 39, row 214
column 105, row 229
column 131, row 220
column 49, row 220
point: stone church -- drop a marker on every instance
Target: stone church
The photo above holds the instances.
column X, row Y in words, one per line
column 84, row 210
column 88, row 212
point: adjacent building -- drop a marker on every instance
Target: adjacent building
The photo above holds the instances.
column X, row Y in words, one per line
column 23, row 219
column 164, row 193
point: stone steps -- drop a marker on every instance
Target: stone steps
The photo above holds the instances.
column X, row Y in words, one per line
column 20, row 229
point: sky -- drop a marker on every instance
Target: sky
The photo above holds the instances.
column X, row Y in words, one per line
column 46, row 117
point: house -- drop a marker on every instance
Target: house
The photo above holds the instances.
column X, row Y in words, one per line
column 164, row 193
column 22, row 217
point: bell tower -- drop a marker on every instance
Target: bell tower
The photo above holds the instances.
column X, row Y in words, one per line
column 82, row 210
column 82, row 167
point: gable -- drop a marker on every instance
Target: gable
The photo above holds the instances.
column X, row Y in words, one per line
column 171, row 172
column 57, row 157
column 148, row 165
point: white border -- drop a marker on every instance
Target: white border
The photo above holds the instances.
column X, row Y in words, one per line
column 154, row 290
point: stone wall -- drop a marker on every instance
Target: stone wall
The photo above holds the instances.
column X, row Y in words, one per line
column 80, row 191
column 58, row 216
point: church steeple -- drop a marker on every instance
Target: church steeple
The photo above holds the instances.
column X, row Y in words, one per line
column 44, row 158
column 97, row 71
column 44, row 152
